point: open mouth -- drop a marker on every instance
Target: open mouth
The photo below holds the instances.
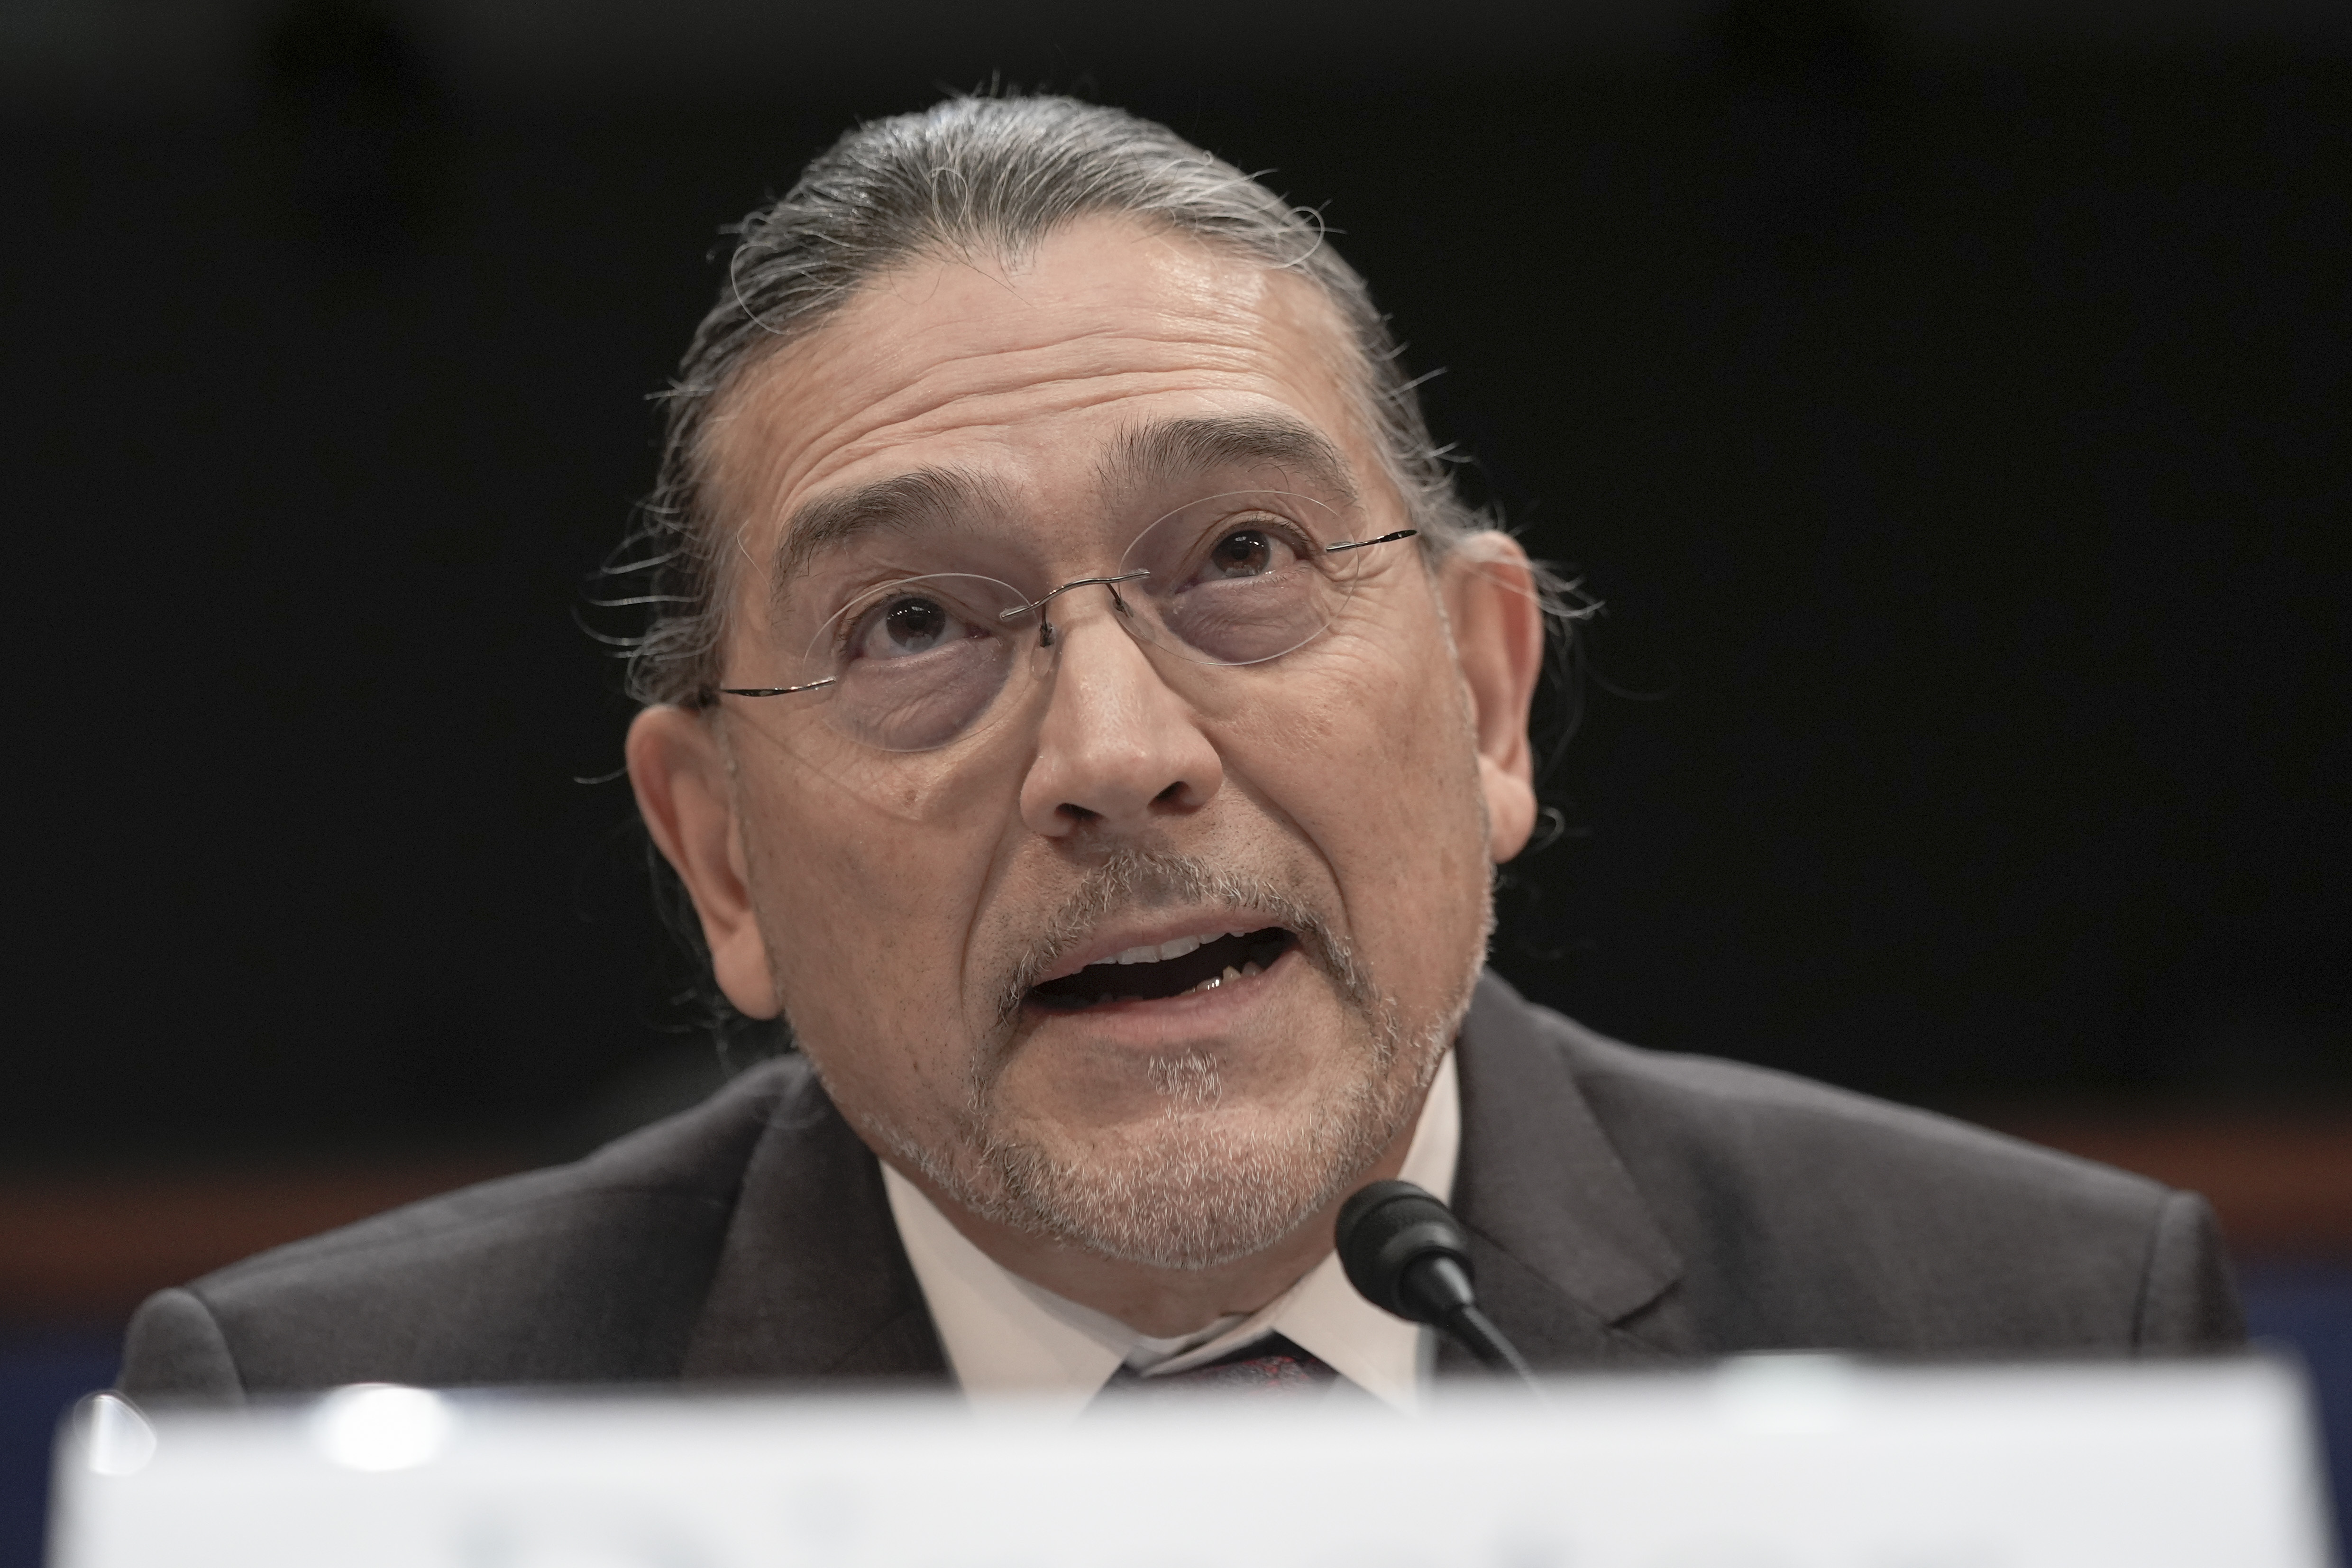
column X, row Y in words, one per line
column 1204, row 966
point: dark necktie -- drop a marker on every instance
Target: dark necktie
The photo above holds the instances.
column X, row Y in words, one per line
column 1271, row 1366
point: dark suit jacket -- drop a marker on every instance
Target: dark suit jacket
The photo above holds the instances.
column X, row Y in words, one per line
column 1625, row 1208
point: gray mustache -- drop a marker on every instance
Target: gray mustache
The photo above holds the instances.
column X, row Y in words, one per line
column 1132, row 879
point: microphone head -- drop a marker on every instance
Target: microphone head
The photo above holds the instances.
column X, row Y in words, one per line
column 1387, row 1228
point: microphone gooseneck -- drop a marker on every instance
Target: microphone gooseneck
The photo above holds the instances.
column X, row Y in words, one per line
column 1405, row 1253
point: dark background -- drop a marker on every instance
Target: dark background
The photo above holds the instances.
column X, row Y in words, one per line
column 1947, row 396
column 1950, row 406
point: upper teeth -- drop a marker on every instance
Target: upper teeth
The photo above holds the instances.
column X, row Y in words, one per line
column 1176, row 947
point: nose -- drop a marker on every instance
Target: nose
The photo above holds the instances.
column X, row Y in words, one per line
column 1118, row 750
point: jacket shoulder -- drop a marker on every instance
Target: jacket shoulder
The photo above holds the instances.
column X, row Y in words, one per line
column 1729, row 1114
column 1806, row 1215
column 593, row 1271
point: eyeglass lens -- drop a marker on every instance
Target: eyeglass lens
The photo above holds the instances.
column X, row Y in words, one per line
column 913, row 664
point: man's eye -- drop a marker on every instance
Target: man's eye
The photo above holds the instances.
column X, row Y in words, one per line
column 1249, row 552
column 902, row 626
column 1243, row 555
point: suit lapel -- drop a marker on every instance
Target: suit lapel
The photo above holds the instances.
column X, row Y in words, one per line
column 1564, row 1247
column 812, row 1282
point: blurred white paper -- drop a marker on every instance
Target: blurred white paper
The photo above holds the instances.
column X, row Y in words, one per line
column 1765, row 1462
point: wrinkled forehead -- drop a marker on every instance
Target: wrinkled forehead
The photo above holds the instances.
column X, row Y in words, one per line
column 1113, row 370
column 1144, row 469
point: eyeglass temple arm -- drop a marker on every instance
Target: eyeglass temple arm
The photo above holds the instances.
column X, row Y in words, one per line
column 772, row 690
column 1368, row 543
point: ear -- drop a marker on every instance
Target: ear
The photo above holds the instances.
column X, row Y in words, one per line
column 685, row 794
column 1498, row 636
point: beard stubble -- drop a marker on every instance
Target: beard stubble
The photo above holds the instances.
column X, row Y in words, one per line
column 1201, row 1184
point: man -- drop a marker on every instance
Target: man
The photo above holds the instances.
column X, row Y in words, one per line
column 1078, row 705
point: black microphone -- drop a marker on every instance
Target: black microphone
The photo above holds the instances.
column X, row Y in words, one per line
column 1405, row 1253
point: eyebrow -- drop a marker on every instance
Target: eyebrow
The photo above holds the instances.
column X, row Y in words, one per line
column 920, row 497
column 1170, row 449
column 1164, row 451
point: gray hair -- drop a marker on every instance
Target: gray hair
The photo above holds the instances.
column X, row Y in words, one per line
column 993, row 175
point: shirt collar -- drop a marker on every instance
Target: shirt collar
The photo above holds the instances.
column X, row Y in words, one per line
column 1008, row 1339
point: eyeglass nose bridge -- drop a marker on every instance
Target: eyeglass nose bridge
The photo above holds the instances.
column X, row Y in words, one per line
column 1045, row 632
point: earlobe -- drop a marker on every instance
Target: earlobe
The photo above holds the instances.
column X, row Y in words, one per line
column 1498, row 636
column 687, row 800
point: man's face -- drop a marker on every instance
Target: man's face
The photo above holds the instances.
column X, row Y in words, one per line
column 940, row 925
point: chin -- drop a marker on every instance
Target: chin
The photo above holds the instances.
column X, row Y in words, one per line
column 1206, row 1175
column 1190, row 1191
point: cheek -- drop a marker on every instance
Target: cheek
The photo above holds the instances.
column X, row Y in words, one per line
column 1379, row 772
column 864, row 920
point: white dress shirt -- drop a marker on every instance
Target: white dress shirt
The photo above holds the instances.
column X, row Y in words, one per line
column 1008, row 1339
